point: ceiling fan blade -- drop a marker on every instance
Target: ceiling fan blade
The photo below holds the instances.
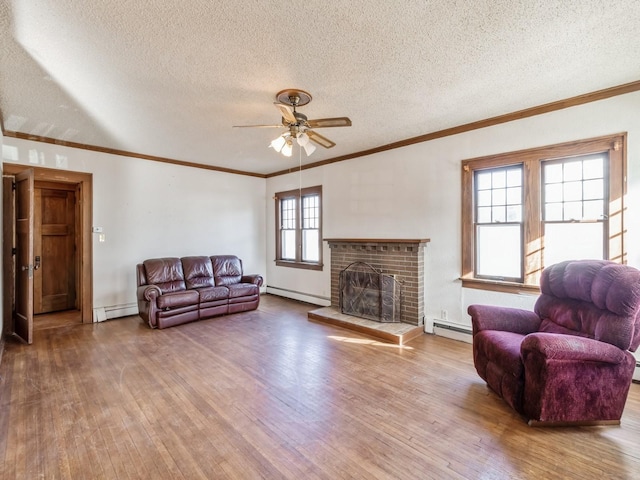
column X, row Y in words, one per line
column 286, row 111
column 257, row 126
column 329, row 122
column 320, row 140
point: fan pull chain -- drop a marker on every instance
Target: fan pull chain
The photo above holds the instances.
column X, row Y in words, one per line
column 300, row 171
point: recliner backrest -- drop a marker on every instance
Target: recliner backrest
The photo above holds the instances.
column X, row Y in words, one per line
column 166, row 273
column 198, row 271
column 598, row 299
column 227, row 269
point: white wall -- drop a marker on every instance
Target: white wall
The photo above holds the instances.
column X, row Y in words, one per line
column 150, row 209
column 415, row 192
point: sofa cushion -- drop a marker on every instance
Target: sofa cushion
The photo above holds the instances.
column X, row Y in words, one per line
column 198, row 272
column 166, row 273
column 178, row 299
column 213, row 294
column 227, row 269
column 242, row 290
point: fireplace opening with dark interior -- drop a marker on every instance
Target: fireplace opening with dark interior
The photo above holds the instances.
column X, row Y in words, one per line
column 367, row 293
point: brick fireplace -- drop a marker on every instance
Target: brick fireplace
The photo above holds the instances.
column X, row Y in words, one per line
column 401, row 258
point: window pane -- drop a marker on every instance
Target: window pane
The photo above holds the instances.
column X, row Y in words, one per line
column 553, row 212
column 498, row 251
column 288, row 240
column 484, row 198
column 593, row 189
column 514, row 177
column 484, row 215
column 593, row 168
column 572, row 191
column 572, row 171
column 572, row 241
column 311, row 211
column 594, row 210
column 288, row 213
column 499, row 178
column 499, row 196
column 499, row 214
column 553, row 192
column 573, row 211
column 514, row 195
column 310, row 246
column 483, row 180
column 514, row 213
column 553, row 173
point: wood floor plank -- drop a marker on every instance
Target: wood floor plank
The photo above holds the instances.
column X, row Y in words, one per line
column 268, row 394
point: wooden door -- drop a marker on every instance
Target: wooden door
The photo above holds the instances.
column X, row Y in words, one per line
column 55, row 247
column 23, row 320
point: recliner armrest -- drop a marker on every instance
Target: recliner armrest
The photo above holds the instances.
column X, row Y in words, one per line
column 557, row 346
column 254, row 278
column 148, row 292
column 490, row 317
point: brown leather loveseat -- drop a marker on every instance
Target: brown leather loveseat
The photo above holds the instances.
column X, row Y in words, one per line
column 172, row 291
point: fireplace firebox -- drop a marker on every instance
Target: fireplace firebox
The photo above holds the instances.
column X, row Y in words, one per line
column 368, row 293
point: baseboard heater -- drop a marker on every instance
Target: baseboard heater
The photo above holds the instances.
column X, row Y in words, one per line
column 453, row 328
column 454, row 332
column 636, row 374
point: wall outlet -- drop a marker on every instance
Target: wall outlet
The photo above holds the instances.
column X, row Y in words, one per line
column 444, row 315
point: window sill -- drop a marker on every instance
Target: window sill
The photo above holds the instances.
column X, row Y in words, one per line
column 498, row 286
column 303, row 265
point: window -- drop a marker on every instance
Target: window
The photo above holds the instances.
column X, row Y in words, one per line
column 299, row 228
column 525, row 210
column 498, row 213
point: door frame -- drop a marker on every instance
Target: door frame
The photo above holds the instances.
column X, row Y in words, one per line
column 84, row 182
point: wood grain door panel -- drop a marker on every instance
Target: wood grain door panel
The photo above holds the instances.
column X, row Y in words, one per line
column 23, row 320
column 55, row 280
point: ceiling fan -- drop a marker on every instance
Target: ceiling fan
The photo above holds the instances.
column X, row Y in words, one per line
column 297, row 125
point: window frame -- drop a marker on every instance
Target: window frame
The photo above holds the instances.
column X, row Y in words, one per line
column 297, row 195
column 533, row 223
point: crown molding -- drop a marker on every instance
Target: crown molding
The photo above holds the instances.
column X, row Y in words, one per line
column 447, row 132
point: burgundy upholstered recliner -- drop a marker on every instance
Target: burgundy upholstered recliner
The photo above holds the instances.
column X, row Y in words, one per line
column 569, row 361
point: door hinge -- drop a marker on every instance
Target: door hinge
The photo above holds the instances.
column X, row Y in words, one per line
column 14, row 250
column 13, row 186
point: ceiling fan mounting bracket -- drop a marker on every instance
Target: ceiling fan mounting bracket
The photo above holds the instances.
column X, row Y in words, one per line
column 293, row 97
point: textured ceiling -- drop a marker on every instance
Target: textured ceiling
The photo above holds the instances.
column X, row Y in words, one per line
column 169, row 79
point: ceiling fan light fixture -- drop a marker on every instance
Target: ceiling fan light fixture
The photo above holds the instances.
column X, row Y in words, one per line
column 309, row 148
column 287, row 149
column 303, row 139
column 278, row 143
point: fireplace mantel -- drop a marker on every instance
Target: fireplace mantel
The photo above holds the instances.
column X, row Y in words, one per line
column 376, row 240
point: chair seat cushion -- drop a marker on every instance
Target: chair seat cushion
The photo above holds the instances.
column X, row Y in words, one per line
column 497, row 360
column 502, row 348
column 178, row 299
column 242, row 290
column 212, row 294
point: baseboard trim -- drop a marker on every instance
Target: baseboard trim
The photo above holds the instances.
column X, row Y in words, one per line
column 300, row 296
column 100, row 314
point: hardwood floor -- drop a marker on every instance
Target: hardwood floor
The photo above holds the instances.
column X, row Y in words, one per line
column 268, row 394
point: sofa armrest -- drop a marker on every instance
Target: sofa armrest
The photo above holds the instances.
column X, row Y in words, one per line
column 490, row 317
column 254, row 278
column 571, row 348
column 148, row 303
column 148, row 292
